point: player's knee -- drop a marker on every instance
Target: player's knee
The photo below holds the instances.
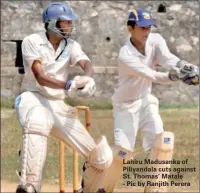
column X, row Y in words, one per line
column 39, row 120
column 164, row 141
column 120, row 153
column 101, row 156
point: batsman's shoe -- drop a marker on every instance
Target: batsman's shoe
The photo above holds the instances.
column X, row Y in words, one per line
column 28, row 188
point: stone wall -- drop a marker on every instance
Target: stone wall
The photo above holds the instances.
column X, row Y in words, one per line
column 101, row 31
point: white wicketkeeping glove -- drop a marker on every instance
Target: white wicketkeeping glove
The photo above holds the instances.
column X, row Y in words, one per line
column 81, row 86
column 89, row 89
column 188, row 73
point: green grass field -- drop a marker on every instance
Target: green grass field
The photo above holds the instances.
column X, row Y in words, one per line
column 183, row 122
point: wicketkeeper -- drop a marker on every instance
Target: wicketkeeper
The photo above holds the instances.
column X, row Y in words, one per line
column 134, row 106
column 41, row 108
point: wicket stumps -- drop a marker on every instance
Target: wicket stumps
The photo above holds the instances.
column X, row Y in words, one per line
column 75, row 155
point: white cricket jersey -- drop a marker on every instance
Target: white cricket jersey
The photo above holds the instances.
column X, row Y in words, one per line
column 135, row 70
column 37, row 47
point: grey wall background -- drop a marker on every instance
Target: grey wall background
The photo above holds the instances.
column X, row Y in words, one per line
column 101, row 31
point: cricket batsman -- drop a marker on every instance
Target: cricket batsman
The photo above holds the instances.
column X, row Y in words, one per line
column 134, row 107
column 40, row 106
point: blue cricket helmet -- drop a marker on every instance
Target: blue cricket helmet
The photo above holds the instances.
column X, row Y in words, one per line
column 60, row 11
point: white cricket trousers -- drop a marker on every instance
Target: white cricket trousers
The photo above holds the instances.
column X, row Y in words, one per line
column 130, row 117
column 66, row 127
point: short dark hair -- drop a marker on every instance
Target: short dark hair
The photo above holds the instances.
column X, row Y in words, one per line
column 131, row 23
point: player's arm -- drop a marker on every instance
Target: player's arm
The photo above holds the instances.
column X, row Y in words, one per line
column 78, row 57
column 163, row 55
column 87, row 67
column 132, row 65
column 45, row 80
column 33, row 58
column 188, row 73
